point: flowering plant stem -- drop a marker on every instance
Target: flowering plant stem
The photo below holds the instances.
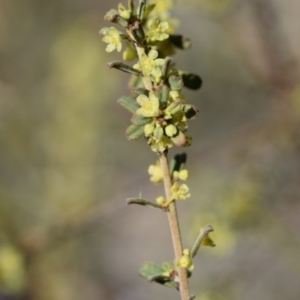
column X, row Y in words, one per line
column 172, row 210
column 160, row 115
column 174, row 225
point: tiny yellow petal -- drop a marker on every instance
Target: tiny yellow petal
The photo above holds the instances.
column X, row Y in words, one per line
column 160, row 200
column 183, row 175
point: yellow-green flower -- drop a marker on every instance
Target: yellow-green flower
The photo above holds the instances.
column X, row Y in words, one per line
column 123, row 12
column 150, row 65
column 180, row 120
column 161, row 200
column 182, row 175
column 149, row 105
column 160, row 145
column 162, row 8
column 157, row 30
column 113, row 38
column 163, row 5
column 185, row 260
column 180, row 192
column 155, row 172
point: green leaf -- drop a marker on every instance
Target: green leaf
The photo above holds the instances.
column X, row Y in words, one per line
column 203, row 239
column 190, row 111
column 141, row 9
column 175, row 82
column 135, row 92
column 167, row 266
column 140, row 120
column 162, row 93
column 131, row 6
column 135, row 81
column 162, row 279
column 173, row 108
column 148, row 10
column 123, row 67
column 150, row 269
column 143, row 202
column 119, row 20
column 180, row 41
column 138, row 33
column 153, row 272
column 128, row 103
column 110, row 14
column 114, row 17
column 179, row 140
column 178, row 162
column 191, row 81
column 166, row 66
column 134, row 132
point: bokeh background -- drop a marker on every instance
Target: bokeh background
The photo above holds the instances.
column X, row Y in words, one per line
column 66, row 167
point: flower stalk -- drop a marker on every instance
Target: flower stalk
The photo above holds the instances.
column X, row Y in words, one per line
column 174, row 226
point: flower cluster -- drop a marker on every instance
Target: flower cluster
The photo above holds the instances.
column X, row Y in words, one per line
column 185, row 261
column 160, row 113
column 179, row 191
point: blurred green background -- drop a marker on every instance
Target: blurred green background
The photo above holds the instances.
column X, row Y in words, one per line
column 66, row 167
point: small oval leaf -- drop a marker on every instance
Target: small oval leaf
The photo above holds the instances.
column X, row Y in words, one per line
column 118, row 20
column 191, row 81
column 135, row 92
column 190, row 111
column 173, row 108
column 110, row 14
column 175, row 82
column 123, row 67
column 162, row 93
column 128, row 103
column 180, row 41
column 134, row 132
column 179, row 140
column 140, row 120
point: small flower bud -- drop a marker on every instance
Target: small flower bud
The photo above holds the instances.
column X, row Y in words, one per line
column 129, row 53
column 123, row 12
column 160, row 200
column 182, row 175
column 185, row 261
column 171, row 130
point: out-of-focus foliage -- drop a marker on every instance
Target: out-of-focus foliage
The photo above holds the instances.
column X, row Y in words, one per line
column 214, row 6
column 12, row 269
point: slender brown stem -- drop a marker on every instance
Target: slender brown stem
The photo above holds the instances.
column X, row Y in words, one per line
column 174, row 226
